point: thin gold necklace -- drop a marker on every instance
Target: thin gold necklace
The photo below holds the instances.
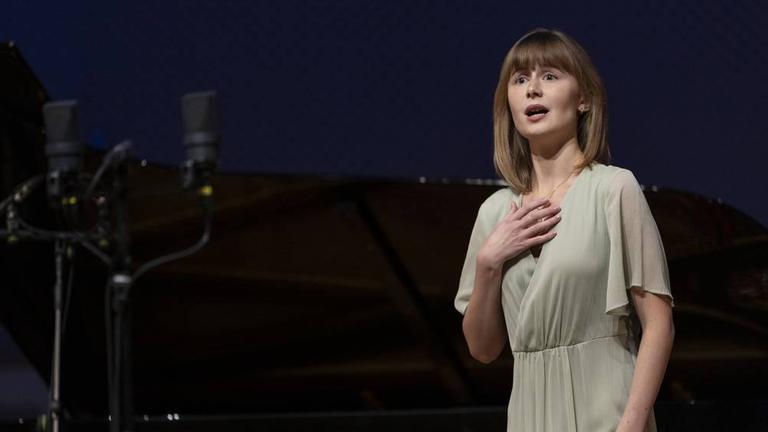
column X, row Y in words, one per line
column 549, row 195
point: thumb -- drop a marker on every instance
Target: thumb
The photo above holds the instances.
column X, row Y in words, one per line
column 513, row 207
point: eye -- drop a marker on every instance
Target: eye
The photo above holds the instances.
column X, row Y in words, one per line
column 550, row 75
column 516, row 80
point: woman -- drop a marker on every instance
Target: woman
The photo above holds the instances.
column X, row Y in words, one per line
column 559, row 261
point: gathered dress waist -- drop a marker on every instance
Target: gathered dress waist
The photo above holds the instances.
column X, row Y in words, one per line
column 523, row 352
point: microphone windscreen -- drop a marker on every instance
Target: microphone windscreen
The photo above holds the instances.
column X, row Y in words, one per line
column 201, row 137
column 63, row 148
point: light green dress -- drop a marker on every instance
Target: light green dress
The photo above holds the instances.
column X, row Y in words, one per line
column 566, row 311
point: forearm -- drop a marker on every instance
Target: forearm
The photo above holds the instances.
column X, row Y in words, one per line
column 652, row 359
column 483, row 324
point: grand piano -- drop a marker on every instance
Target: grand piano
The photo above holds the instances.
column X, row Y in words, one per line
column 326, row 302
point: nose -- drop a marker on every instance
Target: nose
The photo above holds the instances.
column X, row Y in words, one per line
column 532, row 90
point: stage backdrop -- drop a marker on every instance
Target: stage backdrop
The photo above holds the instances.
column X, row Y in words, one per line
column 404, row 88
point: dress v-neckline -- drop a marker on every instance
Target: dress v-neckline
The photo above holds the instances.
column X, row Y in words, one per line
column 565, row 202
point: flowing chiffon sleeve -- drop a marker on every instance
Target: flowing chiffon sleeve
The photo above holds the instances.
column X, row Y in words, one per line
column 636, row 257
column 480, row 232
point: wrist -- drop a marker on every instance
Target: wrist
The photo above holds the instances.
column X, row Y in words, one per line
column 488, row 262
column 631, row 422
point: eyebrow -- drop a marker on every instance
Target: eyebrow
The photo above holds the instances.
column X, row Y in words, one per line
column 543, row 69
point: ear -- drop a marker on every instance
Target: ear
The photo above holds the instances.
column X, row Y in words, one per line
column 583, row 106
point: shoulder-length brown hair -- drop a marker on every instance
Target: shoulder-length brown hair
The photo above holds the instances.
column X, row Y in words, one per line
column 547, row 47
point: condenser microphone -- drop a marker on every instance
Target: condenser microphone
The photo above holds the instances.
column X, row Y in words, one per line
column 64, row 151
column 201, row 138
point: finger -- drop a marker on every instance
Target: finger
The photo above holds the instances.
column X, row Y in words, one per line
column 544, row 212
column 547, row 224
column 524, row 210
column 541, row 238
column 539, row 215
column 513, row 207
column 541, row 226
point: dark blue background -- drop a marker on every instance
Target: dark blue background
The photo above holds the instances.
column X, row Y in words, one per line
column 403, row 88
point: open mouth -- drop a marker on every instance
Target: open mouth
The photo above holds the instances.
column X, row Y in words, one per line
column 534, row 110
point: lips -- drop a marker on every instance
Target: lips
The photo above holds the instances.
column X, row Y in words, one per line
column 532, row 110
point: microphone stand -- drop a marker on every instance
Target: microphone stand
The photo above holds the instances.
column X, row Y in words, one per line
column 120, row 281
column 60, row 248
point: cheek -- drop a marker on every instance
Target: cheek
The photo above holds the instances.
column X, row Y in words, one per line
column 567, row 106
column 511, row 101
column 514, row 104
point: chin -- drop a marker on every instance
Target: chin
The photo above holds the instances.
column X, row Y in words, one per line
column 542, row 129
column 546, row 136
column 532, row 134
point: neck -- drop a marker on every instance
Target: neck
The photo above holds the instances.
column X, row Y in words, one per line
column 553, row 164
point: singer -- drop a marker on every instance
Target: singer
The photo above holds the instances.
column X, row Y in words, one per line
column 566, row 261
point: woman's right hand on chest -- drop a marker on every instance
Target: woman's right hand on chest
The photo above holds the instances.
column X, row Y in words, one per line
column 520, row 229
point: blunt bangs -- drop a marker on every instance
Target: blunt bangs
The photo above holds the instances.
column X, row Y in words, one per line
column 542, row 49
